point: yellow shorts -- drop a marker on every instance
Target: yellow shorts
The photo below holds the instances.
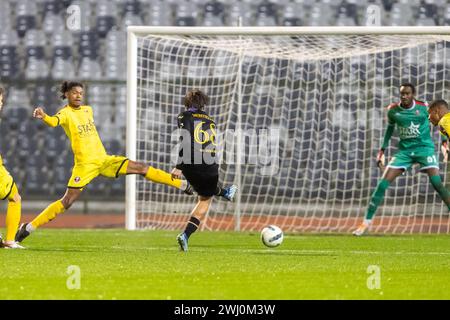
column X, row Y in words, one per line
column 6, row 183
column 83, row 173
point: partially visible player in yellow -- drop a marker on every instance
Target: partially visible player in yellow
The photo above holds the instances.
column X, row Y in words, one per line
column 90, row 157
column 439, row 115
column 8, row 190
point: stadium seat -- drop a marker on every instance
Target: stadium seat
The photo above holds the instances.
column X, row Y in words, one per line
column 241, row 10
column 54, row 145
column 90, row 69
column 89, row 44
column 24, row 23
column 106, row 13
column 52, row 21
column 131, row 19
column 117, row 187
column 133, row 7
column 60, row 177
column 160, row 14
column 5, row 16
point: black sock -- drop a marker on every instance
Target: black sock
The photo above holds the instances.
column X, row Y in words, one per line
column 220, row 191
column 191, row 226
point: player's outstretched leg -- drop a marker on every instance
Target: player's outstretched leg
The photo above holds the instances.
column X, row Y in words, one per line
column 44, row 217
column 228, row 192
column 376, row 199
column 49, row 213
column 155, row 175
column 197, row 215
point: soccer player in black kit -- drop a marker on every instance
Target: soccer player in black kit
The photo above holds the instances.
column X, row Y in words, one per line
column 197, row 160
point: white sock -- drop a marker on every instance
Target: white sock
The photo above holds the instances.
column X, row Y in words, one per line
column 367, row 221
column 29, row 228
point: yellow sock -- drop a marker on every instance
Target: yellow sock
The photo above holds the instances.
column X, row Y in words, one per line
column 163, row 177
column 48, row 214
column 12, row 215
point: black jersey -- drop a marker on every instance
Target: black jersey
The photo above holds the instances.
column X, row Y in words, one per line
column 201, row 133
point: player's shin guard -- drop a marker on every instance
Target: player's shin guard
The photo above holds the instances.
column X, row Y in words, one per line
column 162, row 177
column 12, row 215
column 48, row 214
column 377, row 198
column 441, row 189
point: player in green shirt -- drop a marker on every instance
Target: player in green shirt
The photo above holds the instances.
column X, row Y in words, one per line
column 415, row 146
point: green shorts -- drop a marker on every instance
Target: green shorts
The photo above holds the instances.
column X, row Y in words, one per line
column 404, row 159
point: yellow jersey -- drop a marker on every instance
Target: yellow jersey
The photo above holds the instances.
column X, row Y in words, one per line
column 444, row 125
column 78, row 123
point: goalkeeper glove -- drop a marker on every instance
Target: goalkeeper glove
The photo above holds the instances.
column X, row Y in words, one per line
column 381, row 159
column 444, row 150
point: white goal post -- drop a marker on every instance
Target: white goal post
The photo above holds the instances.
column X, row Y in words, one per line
column 301, row 113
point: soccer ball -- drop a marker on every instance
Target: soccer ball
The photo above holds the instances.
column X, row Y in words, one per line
column 272, row 236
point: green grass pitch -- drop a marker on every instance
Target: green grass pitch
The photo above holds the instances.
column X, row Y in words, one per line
column 118, row 264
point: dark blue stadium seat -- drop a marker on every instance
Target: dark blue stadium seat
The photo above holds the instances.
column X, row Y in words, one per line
column 25, row 146
column 25, row 23
column 99, row 186
column 214, row 7
column 37, row 52
column 9, row 63
column 63, row 52
column 54, row 146
column 36, row 182
column 185, row 22
column 15, row 116
column 292, row 22
column 104, row 24
column 113, row 147
column 89, row 44
column 347, row 9
column 428, row 10
column 267, row 8
column 132, row 6
column 118, row 187
column 61, row 175
column 52, row 6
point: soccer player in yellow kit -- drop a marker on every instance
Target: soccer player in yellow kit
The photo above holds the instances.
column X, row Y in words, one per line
column 439, row 115
column 90, row 157
column 8, row 190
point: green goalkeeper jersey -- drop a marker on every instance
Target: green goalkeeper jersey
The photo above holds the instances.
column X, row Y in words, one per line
column 412, row 124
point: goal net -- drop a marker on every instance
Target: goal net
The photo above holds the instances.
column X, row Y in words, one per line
column 301, row 114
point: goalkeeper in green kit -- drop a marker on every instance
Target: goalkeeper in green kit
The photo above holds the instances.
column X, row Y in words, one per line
column 415, row 146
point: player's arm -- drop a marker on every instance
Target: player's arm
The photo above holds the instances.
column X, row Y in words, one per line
column 51, row 121
column 387, row 137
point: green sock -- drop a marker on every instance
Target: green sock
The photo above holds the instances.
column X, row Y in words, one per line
column 441, row 189
column 376, row 199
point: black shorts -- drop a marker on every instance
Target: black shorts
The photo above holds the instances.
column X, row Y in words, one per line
column 204, row 185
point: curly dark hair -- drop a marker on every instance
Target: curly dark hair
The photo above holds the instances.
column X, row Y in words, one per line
column 437, row 103
column 2, row 91
column 67, row 86
column 195, row 98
